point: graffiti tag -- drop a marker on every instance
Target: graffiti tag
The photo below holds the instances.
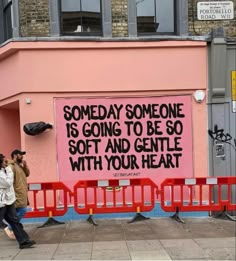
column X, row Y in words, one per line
column 218, row 135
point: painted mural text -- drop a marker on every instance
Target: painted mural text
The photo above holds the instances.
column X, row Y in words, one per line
column 100, row 112
column 124, row 137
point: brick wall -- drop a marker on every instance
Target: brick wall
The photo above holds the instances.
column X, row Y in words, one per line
column 199, row 27
column 119, row 18
column 34, row 17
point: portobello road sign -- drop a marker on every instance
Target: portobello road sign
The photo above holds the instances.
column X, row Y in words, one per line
column 217, row 10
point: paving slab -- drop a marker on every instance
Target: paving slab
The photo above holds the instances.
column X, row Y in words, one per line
column 216, row 242
column 224, row 253
column 144, row 245
column 186, row 253
column 140, row 236
column 80, row 256
column 117, row 250
column 110, row 255
column 8, row 252
column 116, row 239
column 77, row 235
column 110, row 245
column 159, row 254
column 171, row 233
column 70, row 251
column 52, row 235
column 39, row 252
column 109, row 236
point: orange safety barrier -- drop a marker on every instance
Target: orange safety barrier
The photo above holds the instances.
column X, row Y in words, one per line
column 114, row 196
column 49, row 192
column 196, row 194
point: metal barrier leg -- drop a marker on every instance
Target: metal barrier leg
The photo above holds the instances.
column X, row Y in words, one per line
column 51, row 222
column 138, row 217
column 225, row 215
column 176, row 216
column 91, row 220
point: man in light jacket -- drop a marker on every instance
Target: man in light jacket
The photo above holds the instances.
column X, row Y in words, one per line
column 7, row 208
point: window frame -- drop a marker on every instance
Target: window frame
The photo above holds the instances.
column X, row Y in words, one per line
column 55, row 20
column 14, row 19
column 180, row 21
column 7, row 5
column 81, row 33
column 160, row 33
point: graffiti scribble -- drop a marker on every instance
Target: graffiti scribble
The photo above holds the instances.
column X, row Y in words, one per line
column 219, row 135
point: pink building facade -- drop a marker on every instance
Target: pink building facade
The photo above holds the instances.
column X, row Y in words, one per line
column 118, row 109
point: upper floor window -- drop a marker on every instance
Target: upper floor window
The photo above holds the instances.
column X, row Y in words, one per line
column 155, row 16
column 7, row 19
column 81, row 17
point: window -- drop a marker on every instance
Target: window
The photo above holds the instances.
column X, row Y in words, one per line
column 155, row 16
column 6, row 31
column 81, row 17
column 7, row 21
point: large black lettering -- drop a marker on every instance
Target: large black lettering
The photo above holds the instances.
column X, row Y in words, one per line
column 67, row 113
column 121, row 162
column 153, row 128
column 140, row 111
column 71, row 130
column 152, row 161
column 101, row 129
column 179, row 110
column 83, row 146
column 134, row 127
column 117, row 146
column 174, row 127
column 156, row 144
column 86, row 163
column 129, row 112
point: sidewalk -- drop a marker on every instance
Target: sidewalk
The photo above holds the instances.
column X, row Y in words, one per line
column 115, row 239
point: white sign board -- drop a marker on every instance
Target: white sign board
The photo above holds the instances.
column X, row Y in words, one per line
column 218, row 10
column 234, row 106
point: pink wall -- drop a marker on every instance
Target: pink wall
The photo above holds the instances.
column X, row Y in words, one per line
column 44, row 71
column 10, row 131
column 90, row 67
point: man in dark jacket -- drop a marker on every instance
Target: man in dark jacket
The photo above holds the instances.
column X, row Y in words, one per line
column 21, row 172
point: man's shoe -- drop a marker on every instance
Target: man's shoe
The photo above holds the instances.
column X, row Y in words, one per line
column 27, row 244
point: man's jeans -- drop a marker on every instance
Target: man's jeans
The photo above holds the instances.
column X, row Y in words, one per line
column 9, row 214
column 20, row 212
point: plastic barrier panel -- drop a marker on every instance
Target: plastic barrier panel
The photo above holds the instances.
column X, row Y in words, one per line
column 45, row 199
column 114, row 196
column 196, row 194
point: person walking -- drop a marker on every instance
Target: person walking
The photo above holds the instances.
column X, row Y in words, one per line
column 21, row 172
column 7, row 208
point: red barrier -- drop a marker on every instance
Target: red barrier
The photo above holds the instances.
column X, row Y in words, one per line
column 114, row 196
column 49, row 196
column 196, row 194
column 131, row 195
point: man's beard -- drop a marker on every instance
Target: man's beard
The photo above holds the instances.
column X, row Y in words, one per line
column 19, row 160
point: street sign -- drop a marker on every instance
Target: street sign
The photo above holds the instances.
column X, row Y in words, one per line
column 217, row 10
